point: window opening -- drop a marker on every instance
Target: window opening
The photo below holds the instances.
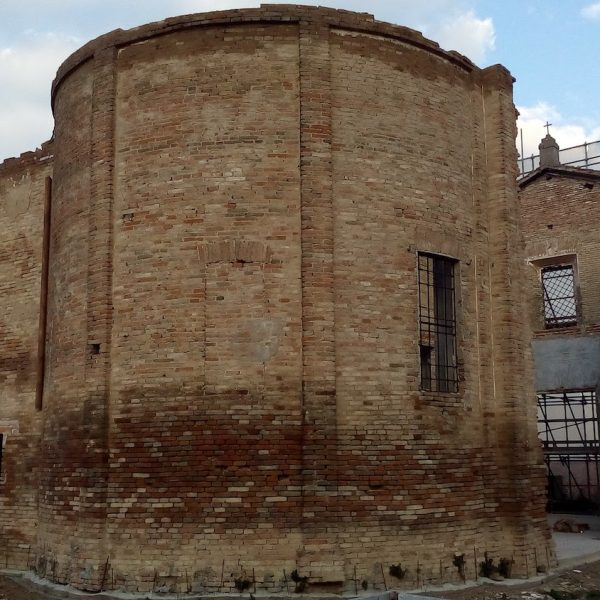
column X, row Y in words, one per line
column 437, row 323
column 558, row 286
column 570, row 435
column 1, row 450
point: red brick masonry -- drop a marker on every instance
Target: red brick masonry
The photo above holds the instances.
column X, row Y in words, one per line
column 232, row 382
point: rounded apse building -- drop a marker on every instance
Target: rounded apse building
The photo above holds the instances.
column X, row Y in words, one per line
column 284, row 323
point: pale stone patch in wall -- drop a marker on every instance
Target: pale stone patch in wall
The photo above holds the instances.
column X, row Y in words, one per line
column 7, row 428
column 233, row 338
column 26, row 312
column 264, row 338
column 15, row 199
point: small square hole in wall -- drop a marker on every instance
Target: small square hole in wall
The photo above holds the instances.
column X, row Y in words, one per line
column 94, row 349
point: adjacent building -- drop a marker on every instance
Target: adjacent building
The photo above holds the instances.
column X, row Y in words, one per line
column 560, row 216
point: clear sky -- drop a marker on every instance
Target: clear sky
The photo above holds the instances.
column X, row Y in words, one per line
column 550, row 46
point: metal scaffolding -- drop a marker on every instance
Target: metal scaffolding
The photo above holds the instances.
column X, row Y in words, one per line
column 568, row 428
column 586, row 156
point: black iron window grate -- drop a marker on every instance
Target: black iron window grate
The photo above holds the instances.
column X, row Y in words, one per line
column 437, row 323
column 558, row 286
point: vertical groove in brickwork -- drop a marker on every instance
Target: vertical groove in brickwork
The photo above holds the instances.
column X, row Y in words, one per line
column 318, row 343
column 518, row 458
column 99, row 286
column 65, row 460
column 485, row 334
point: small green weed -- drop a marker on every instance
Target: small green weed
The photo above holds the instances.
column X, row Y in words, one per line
column 300, row 581
column 397, row 571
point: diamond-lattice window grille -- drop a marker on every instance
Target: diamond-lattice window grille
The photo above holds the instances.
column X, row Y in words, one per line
column 558, row 286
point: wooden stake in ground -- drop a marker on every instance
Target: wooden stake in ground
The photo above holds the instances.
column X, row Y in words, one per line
column 104, row 574
column 383, row 575
column 285, row 579
column 222, row 574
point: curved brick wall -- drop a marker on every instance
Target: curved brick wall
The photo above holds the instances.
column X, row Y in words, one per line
column 233, row 373
column 22, row 186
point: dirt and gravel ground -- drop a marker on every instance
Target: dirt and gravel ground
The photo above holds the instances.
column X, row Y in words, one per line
column 576, row 583
column 12, row 591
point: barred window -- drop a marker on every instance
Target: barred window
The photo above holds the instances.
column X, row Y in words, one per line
column 437, row 323
column 558, row 287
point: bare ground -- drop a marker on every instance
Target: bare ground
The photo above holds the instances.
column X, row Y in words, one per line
column 575, row 583
column 13, row 591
